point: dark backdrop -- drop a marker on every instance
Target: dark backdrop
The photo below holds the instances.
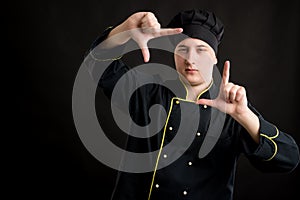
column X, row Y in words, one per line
column 45, row 42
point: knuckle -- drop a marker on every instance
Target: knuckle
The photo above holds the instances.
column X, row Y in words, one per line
column 241, row 90
column 226, row 90
column 150, row 14
column 227, row 87
column 229, row 84
column 151, row 23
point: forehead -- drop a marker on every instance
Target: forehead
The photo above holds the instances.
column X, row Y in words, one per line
column 191, row 42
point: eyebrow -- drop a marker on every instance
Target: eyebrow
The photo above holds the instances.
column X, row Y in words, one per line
column 200, row 45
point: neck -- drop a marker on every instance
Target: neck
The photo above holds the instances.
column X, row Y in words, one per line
column 195, row 91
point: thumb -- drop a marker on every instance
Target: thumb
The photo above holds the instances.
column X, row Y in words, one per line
column 208, row 102
column 145, row 51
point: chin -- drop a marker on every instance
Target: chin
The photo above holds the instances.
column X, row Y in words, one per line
column 196, row 83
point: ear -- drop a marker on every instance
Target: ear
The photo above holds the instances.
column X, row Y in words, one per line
column 216, row 60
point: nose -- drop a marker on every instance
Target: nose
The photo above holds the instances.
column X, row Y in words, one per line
column 187, row 62
column 190, row 58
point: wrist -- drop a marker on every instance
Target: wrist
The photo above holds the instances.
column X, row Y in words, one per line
column 118, row 36
column 243, row 115
column 250, row 122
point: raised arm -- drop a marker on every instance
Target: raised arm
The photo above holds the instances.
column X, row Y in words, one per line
column 232, row 100
column 141, row 27
column 268, row 148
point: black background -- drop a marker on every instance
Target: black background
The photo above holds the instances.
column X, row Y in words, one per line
column 45, row 42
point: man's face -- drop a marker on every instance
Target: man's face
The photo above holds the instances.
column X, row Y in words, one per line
column 194, row 60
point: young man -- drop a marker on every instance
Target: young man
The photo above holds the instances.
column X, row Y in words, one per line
column 244, row 130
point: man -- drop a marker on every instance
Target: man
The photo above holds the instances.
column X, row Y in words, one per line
column 192, row 175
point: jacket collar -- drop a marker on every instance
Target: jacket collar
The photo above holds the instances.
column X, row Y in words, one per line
column 208, row 93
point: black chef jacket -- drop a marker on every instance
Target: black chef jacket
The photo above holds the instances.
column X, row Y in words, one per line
column 189, row 177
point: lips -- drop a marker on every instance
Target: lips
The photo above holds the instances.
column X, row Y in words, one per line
column 191, row 70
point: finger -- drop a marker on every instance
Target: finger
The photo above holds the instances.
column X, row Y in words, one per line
column 139, row 16
column 142, row 43
column 149, row 21
column 226, row 91
column 145, row 51
column 151, row 30
column 149, row 17
column 153, row 24
column 241, row 92
column 225, row 78
column 168, row 31
column 232, row 93
column 208, row 102
column 146, row 54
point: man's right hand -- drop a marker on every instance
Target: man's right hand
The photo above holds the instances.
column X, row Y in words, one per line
column 141, row 27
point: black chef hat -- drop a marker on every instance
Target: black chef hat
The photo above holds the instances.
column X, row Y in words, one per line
column 200, row 24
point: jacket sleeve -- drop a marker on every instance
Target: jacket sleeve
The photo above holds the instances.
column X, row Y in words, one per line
column 98, row 60
column 276, row 152
column 108, row 70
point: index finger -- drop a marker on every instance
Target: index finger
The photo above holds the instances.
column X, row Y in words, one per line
column 225, row 78
column 168, row 31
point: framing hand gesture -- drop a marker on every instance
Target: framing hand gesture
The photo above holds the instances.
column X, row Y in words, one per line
column 232, row 98
column 141, row 27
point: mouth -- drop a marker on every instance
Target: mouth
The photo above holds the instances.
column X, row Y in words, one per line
column 191, row 70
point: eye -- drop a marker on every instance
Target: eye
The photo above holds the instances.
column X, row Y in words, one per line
column 182, row 50
column 201, row 49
